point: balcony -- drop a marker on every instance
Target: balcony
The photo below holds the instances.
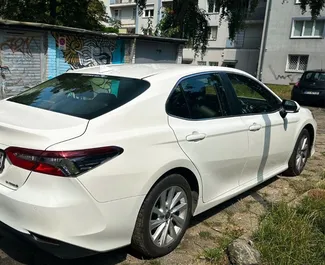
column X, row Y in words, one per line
column 121, row 3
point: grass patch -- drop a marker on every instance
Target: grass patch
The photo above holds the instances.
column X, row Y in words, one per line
column 213, row 255
column 205, row 235
column 283, row 91
column 293, row 236
column 302, row 186
column 314, row 207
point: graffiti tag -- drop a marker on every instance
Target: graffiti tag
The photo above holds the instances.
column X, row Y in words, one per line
column 277, row 77
column 18, row 45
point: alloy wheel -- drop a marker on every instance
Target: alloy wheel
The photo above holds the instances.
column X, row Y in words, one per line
column 302, row 153
column 168, row 215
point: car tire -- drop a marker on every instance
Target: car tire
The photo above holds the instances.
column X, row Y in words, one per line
column 300, row 154
column 149, row 238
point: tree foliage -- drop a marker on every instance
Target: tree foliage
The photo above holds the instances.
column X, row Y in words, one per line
column 87, row 14
column 315, row 6
column 187, row 20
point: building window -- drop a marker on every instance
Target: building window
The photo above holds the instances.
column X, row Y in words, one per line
column 148, row 13
column 117, row 14
column 213, row 63
column 297, row 63
column 202, row 63
column 214, row 33
column 213, row 7
column 134, row 13
column 308, row 29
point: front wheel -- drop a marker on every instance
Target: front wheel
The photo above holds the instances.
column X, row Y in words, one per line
column 300, row 155
column 163, row 218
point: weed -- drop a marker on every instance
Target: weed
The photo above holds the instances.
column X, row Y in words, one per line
column 321, row 185
column 205, row 235
column 288, row 236
column 314, row 206
column 213, row 255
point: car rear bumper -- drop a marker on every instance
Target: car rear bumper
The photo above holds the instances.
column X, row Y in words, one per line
column 299, row 96
column 55, row 247
column 60, row 216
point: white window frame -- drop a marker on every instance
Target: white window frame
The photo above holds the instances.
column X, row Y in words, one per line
column 134, row 13
column 202, row 63
column 213, row 9
column 119, row 14
column 298, row 63
column 211, row 35
column 149, row 10
column 303, row 30
column 213, row 63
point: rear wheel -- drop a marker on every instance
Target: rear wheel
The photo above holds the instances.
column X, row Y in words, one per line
column 163, row 217
column 300, row 155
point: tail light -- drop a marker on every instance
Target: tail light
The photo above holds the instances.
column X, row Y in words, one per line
column 61, row 163
column 297, row 84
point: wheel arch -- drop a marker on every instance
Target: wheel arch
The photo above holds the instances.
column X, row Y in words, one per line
column 192, row 179
column 310, row 128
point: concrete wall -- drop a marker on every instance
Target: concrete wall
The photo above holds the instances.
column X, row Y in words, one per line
column 247, row 59
column 279, row 44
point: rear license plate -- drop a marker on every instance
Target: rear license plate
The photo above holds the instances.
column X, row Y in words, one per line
column 311, row 93
column 2, row 160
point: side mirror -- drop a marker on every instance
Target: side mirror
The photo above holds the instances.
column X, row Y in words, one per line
column 289, row 106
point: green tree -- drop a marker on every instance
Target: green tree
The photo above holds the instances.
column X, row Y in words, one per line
column 87, row 14
column 187, row 20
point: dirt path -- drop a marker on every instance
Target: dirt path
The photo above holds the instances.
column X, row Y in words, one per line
column 232, row 219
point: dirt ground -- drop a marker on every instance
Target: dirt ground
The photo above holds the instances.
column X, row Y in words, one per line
column 232, row 219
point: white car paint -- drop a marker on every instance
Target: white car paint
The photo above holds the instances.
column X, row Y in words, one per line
column 98, row 209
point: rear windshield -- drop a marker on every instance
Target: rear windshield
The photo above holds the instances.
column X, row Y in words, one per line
column 82, row 95
column 313, row 76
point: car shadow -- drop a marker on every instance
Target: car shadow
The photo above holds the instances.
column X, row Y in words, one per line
column 219, row 208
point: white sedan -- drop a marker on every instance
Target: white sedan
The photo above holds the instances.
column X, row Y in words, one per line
column 104, row 157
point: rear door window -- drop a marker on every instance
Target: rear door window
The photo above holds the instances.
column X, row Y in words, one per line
column 81, row 95
column 198, row 98
column 313, row 77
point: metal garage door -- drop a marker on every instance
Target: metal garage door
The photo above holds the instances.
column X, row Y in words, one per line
column 155, row 52
column 22, row 61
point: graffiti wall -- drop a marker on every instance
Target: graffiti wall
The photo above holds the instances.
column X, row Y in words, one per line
column 76, row 51
column 22, row 61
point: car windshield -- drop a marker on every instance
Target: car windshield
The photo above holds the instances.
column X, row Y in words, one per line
column 82, row 95
column 314, row 76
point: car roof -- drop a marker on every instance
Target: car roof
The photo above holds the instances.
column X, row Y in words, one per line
column 142, row 71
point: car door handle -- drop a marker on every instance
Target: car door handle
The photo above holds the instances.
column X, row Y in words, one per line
column 195, row 137
column 255, row 127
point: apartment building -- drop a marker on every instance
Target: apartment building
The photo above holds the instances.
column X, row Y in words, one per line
column 277, row 45
column 132, row 19
column 242, row 53
column 292, row 43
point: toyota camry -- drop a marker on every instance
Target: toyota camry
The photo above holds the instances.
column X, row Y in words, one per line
column 109, row 156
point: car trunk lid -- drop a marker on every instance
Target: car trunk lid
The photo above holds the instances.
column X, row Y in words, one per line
column 33, row 128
